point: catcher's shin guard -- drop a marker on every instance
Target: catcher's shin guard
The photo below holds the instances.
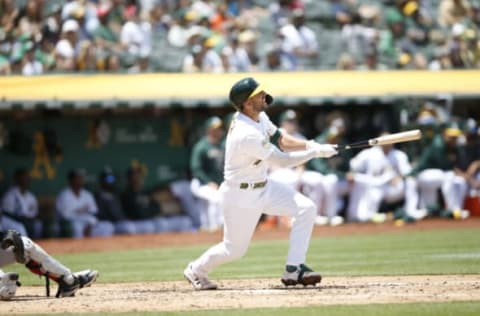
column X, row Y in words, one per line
column 48, row 264
column 41, row 263
column 13, row 239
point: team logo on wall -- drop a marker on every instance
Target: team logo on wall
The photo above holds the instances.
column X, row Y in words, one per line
column 42, row 164
column 98, row 134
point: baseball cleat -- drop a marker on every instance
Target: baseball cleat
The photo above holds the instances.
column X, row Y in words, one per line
column 198, row 283
column 81, row 279
column 300, row 275
column 86, row 277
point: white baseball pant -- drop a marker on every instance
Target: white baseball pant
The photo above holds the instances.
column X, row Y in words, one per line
column 211, row 215
column 453, row 187
column 242, row 210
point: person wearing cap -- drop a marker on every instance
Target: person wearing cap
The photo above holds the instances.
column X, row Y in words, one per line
column 77, row 209
column 138, row 204
column 299, row 39
column 246, row 192
column 65, row 50
column 103, row 34
column 109, row 205
column 179, row 33
column 31, row 66
column 203, row 58
column 442, row 166
column 380, row 175
column 134, row 38
column 235, row 57
column 20, row 207
column 206, row 164
column 454, row 11
column 326, row 179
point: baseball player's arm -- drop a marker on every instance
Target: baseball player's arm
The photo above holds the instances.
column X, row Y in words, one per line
column 289, row 143
column 295, row 158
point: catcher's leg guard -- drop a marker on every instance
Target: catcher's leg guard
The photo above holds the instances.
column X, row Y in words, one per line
column 47, row 264
column 13, row 239
column 39, row 262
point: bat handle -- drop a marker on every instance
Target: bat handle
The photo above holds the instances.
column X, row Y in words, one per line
column 341, row 147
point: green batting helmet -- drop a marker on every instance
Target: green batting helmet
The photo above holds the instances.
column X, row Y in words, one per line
column 242, row 90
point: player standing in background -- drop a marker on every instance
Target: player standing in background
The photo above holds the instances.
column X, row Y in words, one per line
column 325, row 179
column 442, row 166
column 21, row 249
column 207, row 171
column 20, row 207
column 246, row 193
column 380, row 174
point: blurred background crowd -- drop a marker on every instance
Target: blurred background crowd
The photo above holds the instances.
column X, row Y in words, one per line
column 41, row 36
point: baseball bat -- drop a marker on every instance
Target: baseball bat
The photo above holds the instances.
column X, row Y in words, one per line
column 384, row 140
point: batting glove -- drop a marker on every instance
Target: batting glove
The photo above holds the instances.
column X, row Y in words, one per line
column 322, row 150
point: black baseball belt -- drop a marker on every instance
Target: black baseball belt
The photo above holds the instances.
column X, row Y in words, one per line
column 255, row 185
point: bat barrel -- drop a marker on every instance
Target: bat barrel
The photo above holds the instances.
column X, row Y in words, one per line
column 397, row 138
column 384, row 140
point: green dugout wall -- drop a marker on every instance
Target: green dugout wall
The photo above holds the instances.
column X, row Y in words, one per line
column 50, row 124
column 50, row 146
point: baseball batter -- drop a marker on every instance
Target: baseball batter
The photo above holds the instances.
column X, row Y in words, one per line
column 21, row 249
column 245, row 193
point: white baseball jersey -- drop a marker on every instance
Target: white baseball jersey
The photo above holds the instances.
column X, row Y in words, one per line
column 16, row 203
column 71, row 206
column 373, row 161
column 247, row 147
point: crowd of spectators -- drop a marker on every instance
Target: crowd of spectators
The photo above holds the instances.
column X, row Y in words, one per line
column 39, row 36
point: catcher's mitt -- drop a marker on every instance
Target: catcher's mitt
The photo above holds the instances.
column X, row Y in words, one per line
column 13, row 238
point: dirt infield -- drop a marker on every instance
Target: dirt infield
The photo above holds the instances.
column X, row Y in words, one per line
column 177, row 296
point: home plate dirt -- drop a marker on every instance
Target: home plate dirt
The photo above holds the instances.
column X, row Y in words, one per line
column 176, row 296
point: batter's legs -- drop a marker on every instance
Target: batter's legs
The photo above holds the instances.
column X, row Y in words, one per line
column 284, row 201
column 241, row 215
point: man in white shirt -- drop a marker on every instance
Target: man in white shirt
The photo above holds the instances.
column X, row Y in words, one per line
column 20, row 207
column 135, row 36
column 76, row 206
column 299, row 40
column 65, row 50
column 379, row 174
column 245, row 193
column 21, row 249
column 31, row 66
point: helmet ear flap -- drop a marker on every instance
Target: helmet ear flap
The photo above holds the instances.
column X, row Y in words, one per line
column 268, row 99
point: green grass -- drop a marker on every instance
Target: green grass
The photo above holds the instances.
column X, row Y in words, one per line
column 427, row 252
column 424, row 309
